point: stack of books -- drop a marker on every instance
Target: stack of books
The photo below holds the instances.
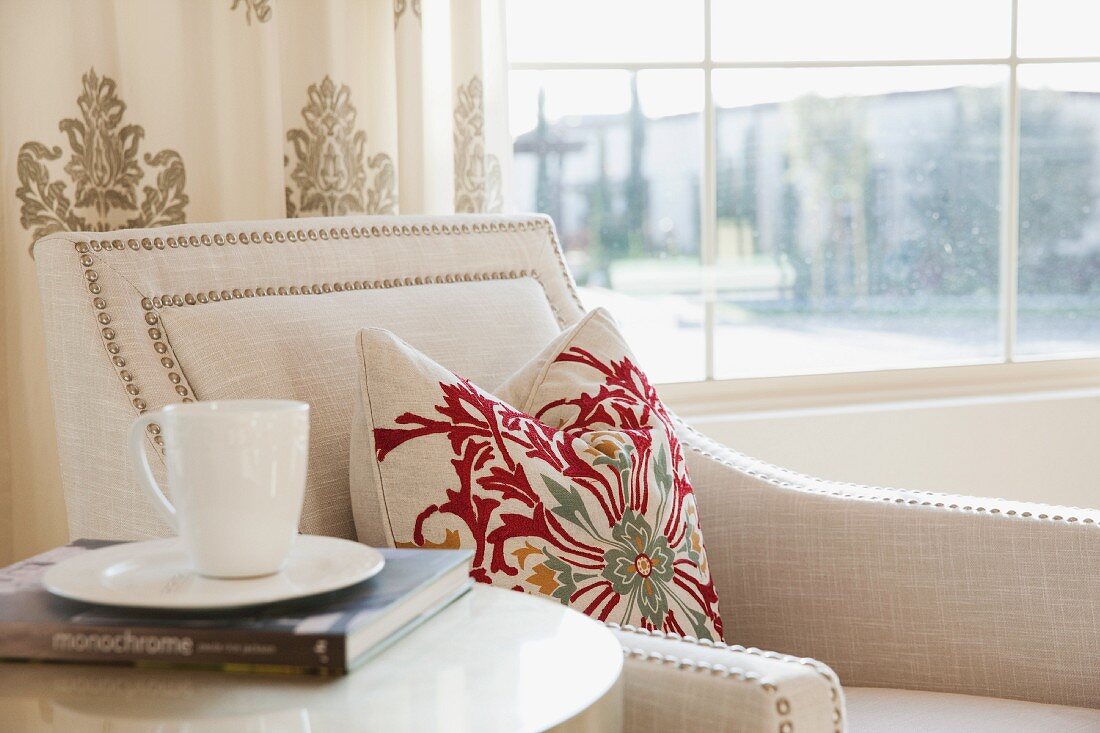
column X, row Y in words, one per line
column 328, row 634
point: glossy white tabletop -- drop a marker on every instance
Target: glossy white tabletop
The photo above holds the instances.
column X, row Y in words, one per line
column 493, row 661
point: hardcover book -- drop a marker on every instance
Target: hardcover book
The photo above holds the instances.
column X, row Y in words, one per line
column 330, row 633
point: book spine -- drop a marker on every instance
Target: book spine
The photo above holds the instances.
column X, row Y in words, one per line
column 197, row 647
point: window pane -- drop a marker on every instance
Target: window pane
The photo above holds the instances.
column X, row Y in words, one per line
column 606, row 30
column 857, row 218
column 801, row 30
column 1059, row 295
column 1059, row 28
column 614, row 158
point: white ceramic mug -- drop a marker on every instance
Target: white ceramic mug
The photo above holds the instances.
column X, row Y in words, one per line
column 237, row 474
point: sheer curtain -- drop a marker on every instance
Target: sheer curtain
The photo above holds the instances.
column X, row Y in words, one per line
column 117, row 113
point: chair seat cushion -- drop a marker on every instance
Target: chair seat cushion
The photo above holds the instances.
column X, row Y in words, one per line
column 876, row 710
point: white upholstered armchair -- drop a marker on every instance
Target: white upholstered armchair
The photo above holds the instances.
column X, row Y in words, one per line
column 903, row 595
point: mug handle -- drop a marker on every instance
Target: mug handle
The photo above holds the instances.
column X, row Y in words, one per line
column 145, row 472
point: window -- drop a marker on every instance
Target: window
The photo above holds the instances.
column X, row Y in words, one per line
column 798, row 187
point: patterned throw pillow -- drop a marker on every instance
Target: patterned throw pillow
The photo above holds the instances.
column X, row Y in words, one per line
column 581, row 494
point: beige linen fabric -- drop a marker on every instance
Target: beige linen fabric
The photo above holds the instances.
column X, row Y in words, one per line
column 271, row 309
column 136, row 113
column 872, row 710
column 680, row 684
column 897, row 588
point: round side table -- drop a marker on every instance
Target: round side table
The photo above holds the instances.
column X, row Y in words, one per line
column 493, row 661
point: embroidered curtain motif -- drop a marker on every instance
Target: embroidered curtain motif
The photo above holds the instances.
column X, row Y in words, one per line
column 214, row 110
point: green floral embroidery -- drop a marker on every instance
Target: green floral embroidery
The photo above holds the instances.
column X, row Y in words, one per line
column 567, row 579
column 640, row 566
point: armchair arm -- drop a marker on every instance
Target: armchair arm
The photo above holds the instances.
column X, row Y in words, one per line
column 678, row 683
column 896, row 588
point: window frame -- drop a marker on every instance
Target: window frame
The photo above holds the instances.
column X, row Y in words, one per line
column 1010, row 372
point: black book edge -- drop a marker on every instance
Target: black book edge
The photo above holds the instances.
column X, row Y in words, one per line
column 297, row 652
column 320, row 653
column 180, row 648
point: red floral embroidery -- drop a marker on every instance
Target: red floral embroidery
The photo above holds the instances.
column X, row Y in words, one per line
column 603, row 502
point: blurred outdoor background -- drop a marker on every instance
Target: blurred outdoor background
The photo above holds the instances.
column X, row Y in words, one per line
column 859, row 207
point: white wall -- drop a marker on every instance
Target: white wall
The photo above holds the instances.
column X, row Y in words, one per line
column 1038, row 447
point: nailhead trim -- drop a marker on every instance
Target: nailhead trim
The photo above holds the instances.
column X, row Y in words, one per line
column 220, row 239
column 568, row 276
column 722, row 455
column 355, row 232
column 718, row 670
column 214, row 296
column 782, row 705
column 819, row 667
column 161, row 347
column 106, row 332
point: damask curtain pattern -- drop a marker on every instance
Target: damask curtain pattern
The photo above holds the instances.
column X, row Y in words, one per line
column 121, row 113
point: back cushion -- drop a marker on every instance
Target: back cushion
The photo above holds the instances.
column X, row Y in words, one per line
column 303, row 347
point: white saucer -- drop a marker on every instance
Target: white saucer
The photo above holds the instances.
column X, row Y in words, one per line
column 157, row 574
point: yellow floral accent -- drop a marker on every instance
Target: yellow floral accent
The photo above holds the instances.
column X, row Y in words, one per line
column 605, row 442
column 543, row 578
column 525, row 552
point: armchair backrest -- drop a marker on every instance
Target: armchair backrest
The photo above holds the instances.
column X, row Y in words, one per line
column 141, row 318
